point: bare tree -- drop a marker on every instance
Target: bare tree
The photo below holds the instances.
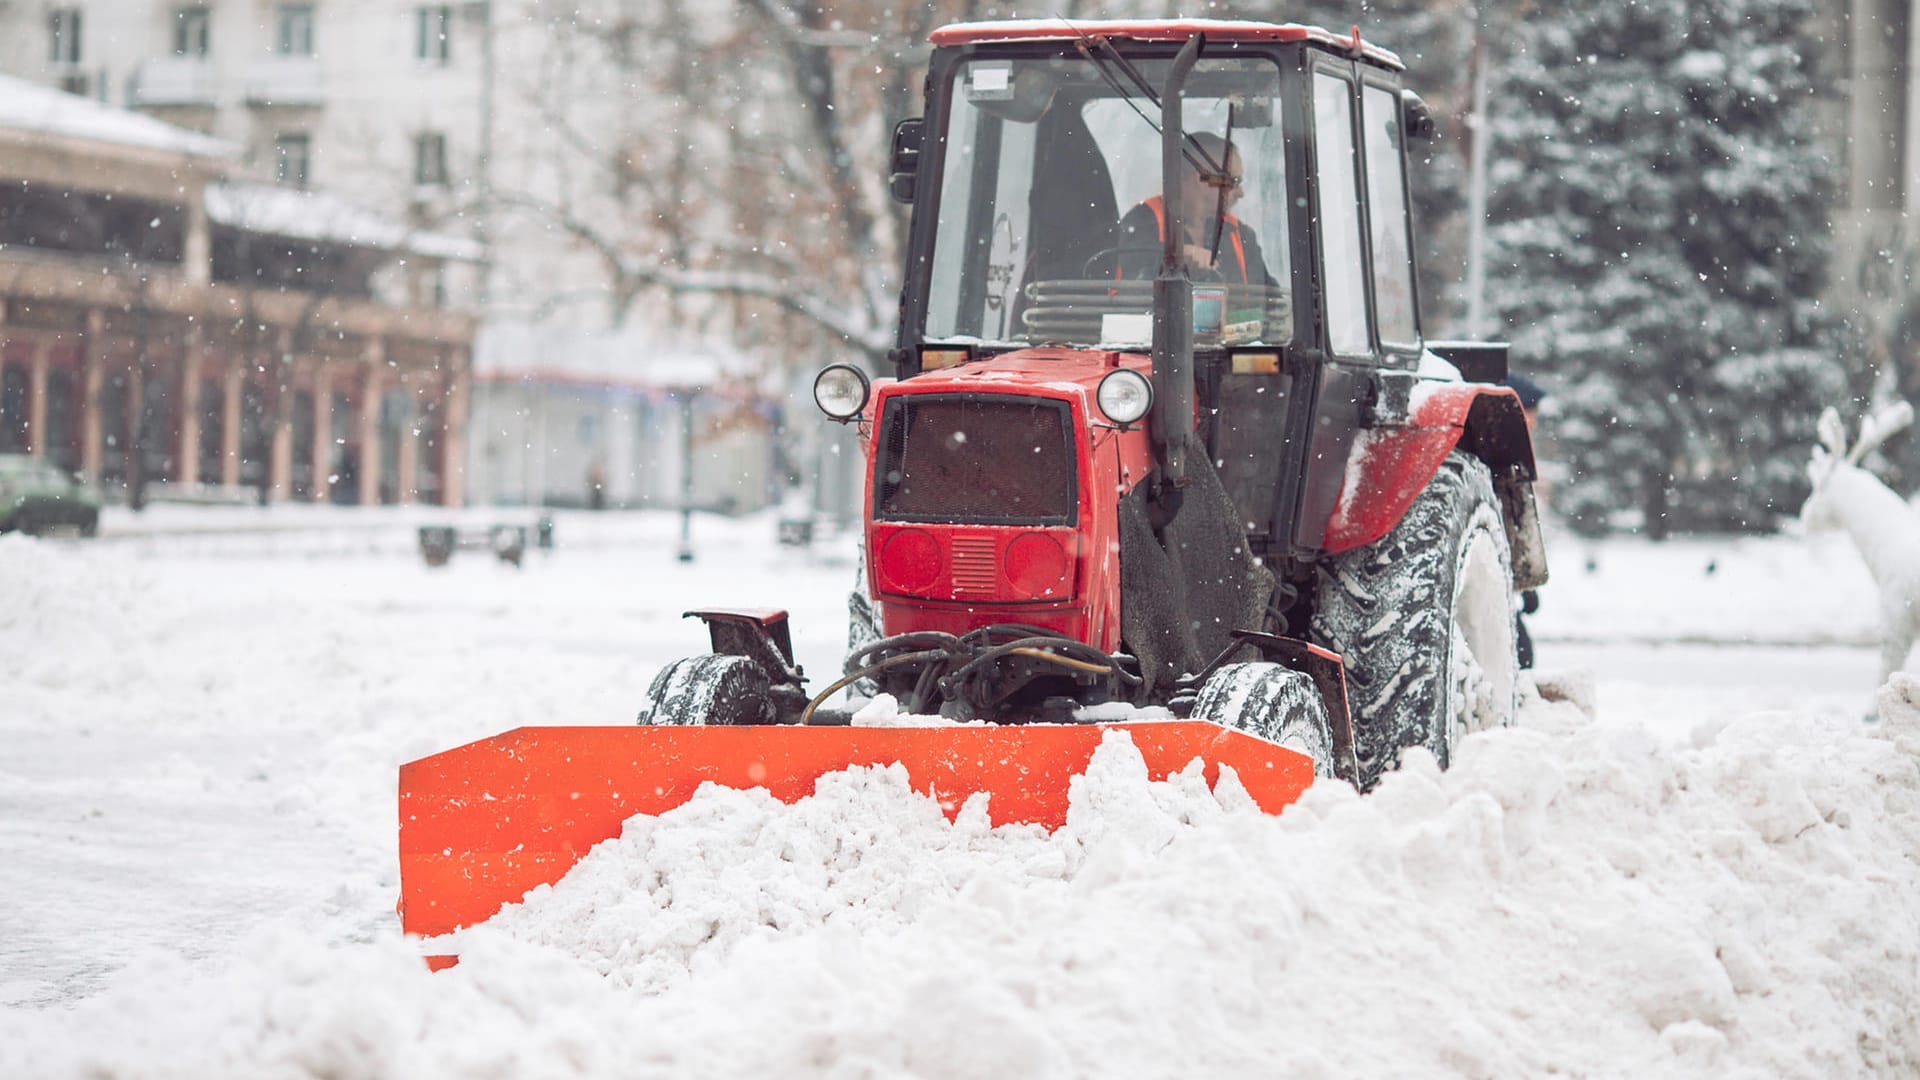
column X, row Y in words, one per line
column 741, row 161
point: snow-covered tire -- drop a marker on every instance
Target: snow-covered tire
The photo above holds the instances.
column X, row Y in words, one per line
column 709, row 690
column 1424, row 620
column 1269, row 702
column 863, row 629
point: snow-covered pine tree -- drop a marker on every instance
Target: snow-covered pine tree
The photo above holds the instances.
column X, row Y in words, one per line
column 1658, row 249
column 1435, row 39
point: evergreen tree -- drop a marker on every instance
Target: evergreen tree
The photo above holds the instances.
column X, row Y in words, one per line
column 1658, row 250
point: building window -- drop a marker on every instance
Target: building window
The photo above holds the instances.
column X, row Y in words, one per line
column 63, row 35
column 292, row 156
column 190, row 25
column 430, row 158
column 432, row 23
column 296, row 30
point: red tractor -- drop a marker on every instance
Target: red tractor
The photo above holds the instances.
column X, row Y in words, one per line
column 1163, row 450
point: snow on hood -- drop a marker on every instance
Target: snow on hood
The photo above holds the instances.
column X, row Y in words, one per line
column 1575, row 896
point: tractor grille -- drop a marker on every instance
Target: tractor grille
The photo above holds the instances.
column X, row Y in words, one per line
column 975, row 459
column 976, row 571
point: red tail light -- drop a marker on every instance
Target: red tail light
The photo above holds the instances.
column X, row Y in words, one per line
column 1038, row 568
column 909, row 561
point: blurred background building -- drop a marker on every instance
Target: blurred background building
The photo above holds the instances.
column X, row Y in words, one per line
column 617, row 188
column 364, row 139
column 170, row 329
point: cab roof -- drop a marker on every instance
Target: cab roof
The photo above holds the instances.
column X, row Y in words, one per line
column 974, row 33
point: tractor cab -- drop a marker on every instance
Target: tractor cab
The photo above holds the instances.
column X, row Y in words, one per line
column 1164, row 457
column 1044, row 202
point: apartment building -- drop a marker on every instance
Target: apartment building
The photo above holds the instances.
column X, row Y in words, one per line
column 378, row 102
column 449, row 119
column 168, row 325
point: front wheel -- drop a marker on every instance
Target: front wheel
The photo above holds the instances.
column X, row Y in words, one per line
column 863, row 629
column 1273, row 703
column 1424, row 619
column 709, row 691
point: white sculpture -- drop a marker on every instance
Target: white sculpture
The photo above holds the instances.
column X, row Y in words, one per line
column 1883, row 527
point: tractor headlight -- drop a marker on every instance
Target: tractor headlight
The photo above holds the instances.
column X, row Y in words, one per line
column 841, row 391
column 1125, row 395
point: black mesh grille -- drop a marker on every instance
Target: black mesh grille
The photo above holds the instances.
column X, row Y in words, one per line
column 964, row 459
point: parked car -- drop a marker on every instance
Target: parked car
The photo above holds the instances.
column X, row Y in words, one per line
column 38, row 497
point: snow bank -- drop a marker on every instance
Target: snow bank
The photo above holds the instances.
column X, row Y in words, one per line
column 1579, row 896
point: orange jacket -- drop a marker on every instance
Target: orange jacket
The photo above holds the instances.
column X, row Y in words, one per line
column 1159, row 208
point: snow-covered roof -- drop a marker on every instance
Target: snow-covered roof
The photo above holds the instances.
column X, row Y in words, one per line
column 327, row 218
column 26, row 106
column 626, row 358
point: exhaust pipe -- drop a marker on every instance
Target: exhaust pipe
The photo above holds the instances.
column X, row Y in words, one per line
column 1172, row 418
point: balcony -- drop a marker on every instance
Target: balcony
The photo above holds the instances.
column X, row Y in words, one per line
column 174, row 82
column 285, row 82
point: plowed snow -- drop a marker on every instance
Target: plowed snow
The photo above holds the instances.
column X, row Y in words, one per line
column 1586, row 894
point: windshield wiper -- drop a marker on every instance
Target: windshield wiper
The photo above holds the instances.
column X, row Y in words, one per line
column 1191, row 149
column 1225, row 183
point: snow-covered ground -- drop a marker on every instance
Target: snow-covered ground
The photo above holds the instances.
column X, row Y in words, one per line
column 1711, row 869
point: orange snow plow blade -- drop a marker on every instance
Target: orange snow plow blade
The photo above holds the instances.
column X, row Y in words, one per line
column 483, row 823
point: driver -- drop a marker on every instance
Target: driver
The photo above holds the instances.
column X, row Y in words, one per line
column 1202, row 213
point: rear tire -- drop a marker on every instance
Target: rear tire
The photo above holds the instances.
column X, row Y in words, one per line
column 709, row 691
column 1424, row 619
column 1273, row 703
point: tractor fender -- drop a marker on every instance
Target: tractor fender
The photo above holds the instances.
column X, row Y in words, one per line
column 1388, row 467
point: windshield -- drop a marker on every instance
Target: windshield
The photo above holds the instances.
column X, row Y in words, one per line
column 1051, row 212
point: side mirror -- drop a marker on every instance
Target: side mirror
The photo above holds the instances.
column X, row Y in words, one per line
column 904, row 162
column 1416, row 117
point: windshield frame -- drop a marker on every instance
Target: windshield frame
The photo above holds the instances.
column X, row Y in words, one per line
column 1289, row 117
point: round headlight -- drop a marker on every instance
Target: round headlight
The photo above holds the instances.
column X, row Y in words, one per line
column 841, row 391
column 1125, row 395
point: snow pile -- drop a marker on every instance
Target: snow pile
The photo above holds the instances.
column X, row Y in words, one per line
column 92, row 609
column 1575, row 896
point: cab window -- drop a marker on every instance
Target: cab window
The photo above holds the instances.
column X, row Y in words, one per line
column 1336, row 183
column 1387, row 213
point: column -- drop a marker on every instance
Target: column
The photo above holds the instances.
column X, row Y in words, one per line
column 280, row 442
column 92, row 364
column 1877, row 104
column 230, row 425
column 130, row 447
column 3, row 357
column 189, row 471
column 37, row 401
column 197, row 261
column 322, row 434
column 370, row 464
column 453, row 440
column 407, row 492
